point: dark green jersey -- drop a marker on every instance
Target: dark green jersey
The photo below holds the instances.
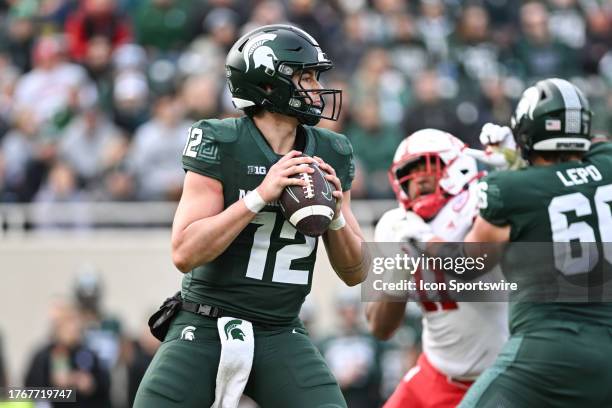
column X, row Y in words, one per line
column 568, row 204
column 266, row 272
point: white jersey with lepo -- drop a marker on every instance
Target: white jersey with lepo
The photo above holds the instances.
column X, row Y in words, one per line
column 460, row 342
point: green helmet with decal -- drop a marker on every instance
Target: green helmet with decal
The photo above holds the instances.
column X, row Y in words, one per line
column 260, row 67
column 552, row 115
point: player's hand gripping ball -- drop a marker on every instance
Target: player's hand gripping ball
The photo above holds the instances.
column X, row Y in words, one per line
column 310, row 208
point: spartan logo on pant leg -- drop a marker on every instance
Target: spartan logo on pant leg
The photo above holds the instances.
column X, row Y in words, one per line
column 232, row 328
column 187, row 333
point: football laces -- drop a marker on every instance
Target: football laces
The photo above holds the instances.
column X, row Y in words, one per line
column 309, row 187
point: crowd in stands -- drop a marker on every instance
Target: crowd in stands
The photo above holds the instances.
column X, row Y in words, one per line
column 96, row 96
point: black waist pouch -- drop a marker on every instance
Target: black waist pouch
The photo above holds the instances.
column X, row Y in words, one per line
column 159, row 322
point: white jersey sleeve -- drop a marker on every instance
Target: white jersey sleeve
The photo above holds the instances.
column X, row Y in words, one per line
column 389, row 226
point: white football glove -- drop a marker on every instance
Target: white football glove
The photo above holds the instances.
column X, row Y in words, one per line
column 492, row 134
column 500, row 147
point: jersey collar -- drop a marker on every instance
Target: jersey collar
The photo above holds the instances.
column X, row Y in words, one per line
column 267, row 150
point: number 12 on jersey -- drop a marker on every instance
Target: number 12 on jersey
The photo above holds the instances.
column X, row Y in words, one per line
column 260, row 251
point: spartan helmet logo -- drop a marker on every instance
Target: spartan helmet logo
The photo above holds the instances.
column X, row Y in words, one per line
column 187, row 333
column 232, row 328
column 262, row 54
column 527, row 104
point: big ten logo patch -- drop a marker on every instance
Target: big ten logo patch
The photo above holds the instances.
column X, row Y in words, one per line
column 256, row 170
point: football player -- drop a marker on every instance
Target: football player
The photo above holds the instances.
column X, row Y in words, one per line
column 434, row 179
column 240, row 256
column 559, row 353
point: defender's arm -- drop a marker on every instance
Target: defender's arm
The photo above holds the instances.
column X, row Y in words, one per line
column 384, row 318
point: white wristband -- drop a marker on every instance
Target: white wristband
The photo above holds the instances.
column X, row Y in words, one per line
column 338, row 223
column 254, row 202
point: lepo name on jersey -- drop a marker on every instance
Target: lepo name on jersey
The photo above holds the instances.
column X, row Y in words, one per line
column 579, row 175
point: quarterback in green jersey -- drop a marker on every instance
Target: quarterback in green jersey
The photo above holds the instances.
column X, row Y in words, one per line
column 241, row 258
column 560, row 352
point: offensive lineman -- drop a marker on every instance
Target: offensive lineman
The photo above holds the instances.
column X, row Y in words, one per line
column 240, row 257
column 434, row 179
column 559, row 353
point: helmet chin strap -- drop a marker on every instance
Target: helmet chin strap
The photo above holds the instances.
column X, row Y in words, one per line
column 428, row 206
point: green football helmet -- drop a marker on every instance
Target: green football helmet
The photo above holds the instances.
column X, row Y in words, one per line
column 260, row 67
column 552, row 115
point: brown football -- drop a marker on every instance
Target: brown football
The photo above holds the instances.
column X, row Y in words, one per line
column 311, row 208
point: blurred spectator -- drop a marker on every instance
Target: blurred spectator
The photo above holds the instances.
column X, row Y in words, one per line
column 265, row 12
column 85, row 144
column 117, row 185
column 102, row 333
column 201, row 96
column 434, row 27
column 96, row 18
column 53, row 87
column 8, row 77
column 60, row 187
column 378, row 82
column 27, row 157
column 156, row 150
column 53, row 13
column 222, row 25
column 129, row 57
column 567, row 23
column 161, row 25
column 353, row 357
column 98, row 63
column 241, row 10
column 539, row 54
column 599, row 36
column 380, row 20
column 130, row 100
column 496, row 106
column 304, row 14
column 66, row 362
column 163, row 76
column 408, row 53
column 136, row 355
column 17, row 37
column 374, row 143
column 429, row 109
column 206, row 54
column 348, row 50
column 472, row 50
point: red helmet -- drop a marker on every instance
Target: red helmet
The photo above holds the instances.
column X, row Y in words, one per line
column 442, row 154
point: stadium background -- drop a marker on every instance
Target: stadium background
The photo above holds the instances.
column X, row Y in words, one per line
column 95, row 100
